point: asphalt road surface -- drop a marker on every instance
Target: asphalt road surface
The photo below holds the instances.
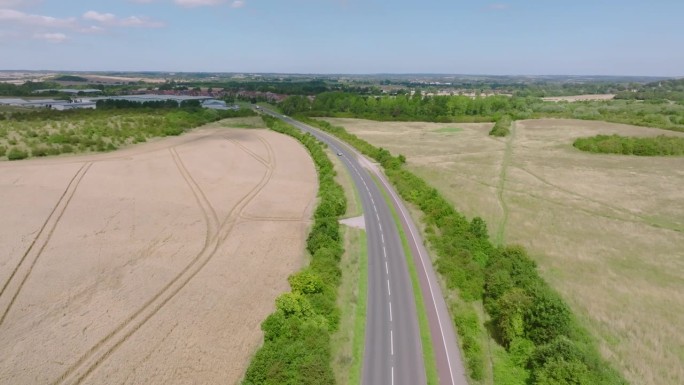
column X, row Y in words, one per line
column 393, row 350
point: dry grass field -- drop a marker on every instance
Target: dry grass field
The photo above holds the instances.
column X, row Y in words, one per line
column 151, row 265
column 579, row 98
column 606, row 230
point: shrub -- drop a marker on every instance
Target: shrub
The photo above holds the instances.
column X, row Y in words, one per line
column 647, row 146
column 502, row 126
column 17, row 154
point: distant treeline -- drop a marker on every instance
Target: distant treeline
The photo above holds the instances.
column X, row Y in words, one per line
column 544, row 342
column 666, row 115
column 25, row 89
column 70, row 78
column 111, row 104
column 664, row 90
column 643, row 146
column 404, row 107
column 290, row 87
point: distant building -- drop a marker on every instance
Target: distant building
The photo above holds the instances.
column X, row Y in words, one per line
column 74, row 105
column 215, row 104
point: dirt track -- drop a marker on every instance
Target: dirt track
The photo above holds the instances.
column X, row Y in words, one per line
column 154, row 264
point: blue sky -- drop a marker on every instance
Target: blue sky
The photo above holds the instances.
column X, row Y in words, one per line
column 609, row 37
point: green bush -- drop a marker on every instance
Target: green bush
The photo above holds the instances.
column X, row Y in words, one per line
column 502, row 126
column 642, row 146
column 17, row 154
column 3, row 151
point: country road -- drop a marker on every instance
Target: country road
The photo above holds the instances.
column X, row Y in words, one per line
column 393, row 351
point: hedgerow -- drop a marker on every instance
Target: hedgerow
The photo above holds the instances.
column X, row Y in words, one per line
column 296, row 347
column 528, row 318
column 502, row 127
column 660, row 145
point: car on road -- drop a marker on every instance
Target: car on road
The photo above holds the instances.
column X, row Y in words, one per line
column 339, row 154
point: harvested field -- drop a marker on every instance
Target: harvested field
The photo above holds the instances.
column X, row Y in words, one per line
column 606, row 230
column 151, row 265
column 579, row 98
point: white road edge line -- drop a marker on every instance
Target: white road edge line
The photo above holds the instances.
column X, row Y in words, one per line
column 390, row 307
column 387, row 270
column 389, row 292
column 422, row 260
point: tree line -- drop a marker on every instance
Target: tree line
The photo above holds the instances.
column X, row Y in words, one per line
column 296, row 349
column 458, row 108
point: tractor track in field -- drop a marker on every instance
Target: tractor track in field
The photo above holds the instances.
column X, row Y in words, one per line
column 14, row 284
column 216, row 234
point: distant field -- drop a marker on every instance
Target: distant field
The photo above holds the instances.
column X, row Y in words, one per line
column 578, row 98
column 606, row 230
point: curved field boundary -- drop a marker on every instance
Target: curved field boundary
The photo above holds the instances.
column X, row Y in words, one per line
column 12, row 287
column 216, row 234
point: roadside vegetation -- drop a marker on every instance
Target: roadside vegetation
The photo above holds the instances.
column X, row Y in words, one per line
column 297, row 336
column 538, row 338
column 660, row 145
column 45, row 132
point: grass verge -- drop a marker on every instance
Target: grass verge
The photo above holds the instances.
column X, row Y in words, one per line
column 354, row 208
column 348, row 343
column 426, row 341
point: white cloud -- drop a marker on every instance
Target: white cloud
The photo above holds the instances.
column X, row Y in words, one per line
column 110, row 19
column 101, row 17
column 35, row 20
column 135, row 21
column 198, row 3
column 237, row 4
column 54, row 37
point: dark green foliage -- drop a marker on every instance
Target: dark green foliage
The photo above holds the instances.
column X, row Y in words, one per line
column 502, row 126
column 405, row 107
column 70, row 78
column 647, row 146
column 527, row 316
column 470, row 333
column 17, row 154
column 296, row 346
column 3, row 151
column 458, row 108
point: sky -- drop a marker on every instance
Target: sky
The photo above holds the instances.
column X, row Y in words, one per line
column 510, row 37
